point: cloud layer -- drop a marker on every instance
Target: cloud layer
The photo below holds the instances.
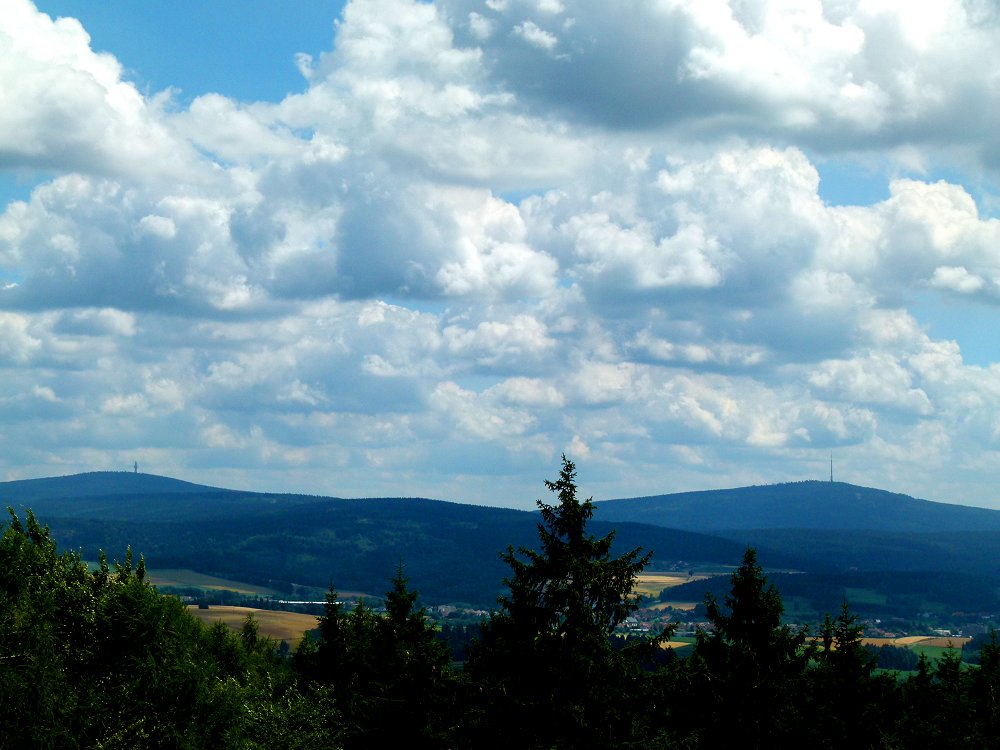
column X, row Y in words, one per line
column 484, row 233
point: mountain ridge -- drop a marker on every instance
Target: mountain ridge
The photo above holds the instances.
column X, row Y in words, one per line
column 93, row 483
column 798, row 505
column 452, row 550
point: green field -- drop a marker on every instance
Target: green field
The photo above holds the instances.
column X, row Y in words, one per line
column 933, row 653
column 864, row 596
column 184, row 578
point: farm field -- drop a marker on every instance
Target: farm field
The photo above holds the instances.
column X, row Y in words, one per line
column 936, row 647
column 281, row 626
column 184, row 578
column 864, row 596
column 651, row 584
column 919, row 641
column 677, row 644
column 931, row 646
column 683, row 606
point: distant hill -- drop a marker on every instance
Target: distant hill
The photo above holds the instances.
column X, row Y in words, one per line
column 907, row 554
column 135, row 497
column 834, row 533
column 800, row 505
column 450, row 550
column 95, row 483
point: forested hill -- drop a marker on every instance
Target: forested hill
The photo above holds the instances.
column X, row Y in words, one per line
column 799, row 505
column 450, row 550
column 127, row 496
column 96, row 657
column 97, row 483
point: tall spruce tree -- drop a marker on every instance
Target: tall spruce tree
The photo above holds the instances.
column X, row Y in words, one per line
column 550, row 676
column 418, row 710
column 983, row 685
column 846, row 702
column 751, row 665
column 389, row 673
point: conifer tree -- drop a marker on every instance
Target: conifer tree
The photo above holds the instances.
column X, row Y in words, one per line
column 751, row 665
column 418, row 708
column 550, row 674
column 983, row 686
column 388, row 672
column 846, row 702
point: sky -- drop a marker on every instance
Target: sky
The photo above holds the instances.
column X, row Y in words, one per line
column 389, row 247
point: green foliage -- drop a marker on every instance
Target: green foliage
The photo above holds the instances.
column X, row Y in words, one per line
column 102, row 660
column 749, row 665
column 845, row 700
column 545, row 662
column 951, row 705
column 99, row 659
column 389, row 673
column 984, row 691
column 895, row 658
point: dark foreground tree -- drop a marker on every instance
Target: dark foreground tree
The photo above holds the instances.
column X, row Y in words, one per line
column 846, row 703
column 389, row 673
column 549, row 675
column 749, row 667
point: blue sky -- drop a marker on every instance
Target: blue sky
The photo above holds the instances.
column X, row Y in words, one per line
column 243, row 49
column 395, row 247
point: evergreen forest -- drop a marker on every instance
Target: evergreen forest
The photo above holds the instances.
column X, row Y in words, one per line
column 97, row 658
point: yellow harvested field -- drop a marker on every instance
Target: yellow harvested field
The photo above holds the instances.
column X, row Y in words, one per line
column 676, row 644
column 184, row 578
column 919, row 640
column 281, row 626
column 651, row 584
column 870, row 641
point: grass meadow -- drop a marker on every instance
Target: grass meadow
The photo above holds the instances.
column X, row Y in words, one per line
column 184, row 578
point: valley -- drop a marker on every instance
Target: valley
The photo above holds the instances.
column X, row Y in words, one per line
column 904, row 565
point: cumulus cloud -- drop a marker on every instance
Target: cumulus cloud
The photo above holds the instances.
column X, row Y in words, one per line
column 828, row 74
column 66, row 107
column 484, row 233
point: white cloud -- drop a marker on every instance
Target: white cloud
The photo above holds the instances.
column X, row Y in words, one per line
column 98, row 322
column 536, row 36
column 17, row 343
column 239, row 134
column 531, row 393
column 473, row 417
column 484, row 233
column 517, row 341
column 130, row 404
column 957, row 279
column 65, row 107
column 876, row 379
column 480, row 27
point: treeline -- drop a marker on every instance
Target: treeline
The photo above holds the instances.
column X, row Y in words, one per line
column 98, row 659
